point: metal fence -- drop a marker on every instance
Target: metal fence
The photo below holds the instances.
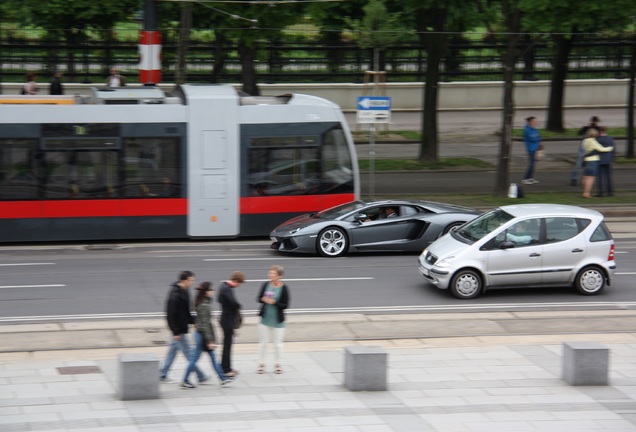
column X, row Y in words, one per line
column 297, row 61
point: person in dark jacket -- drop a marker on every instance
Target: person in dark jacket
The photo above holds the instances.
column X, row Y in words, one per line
column 179, row 319
column 230, row 307
column 204, row 336
column 605, row 163
column 56, row 87
column 274, row 297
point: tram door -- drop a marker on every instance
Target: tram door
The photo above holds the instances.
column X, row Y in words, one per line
column 213, row 158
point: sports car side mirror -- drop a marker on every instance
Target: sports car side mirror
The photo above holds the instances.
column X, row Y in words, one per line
column 361, row 217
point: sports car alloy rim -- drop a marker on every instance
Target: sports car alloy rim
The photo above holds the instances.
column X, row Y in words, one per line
column 332, row 242
column 591, row 280
column 467, row 284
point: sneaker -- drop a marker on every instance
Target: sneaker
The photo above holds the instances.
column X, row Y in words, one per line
column 527, row 181
column 165, row 380
column 534, row 181
column 231, row 374
column 206, row 380
column 187, row 385
column 226, row 382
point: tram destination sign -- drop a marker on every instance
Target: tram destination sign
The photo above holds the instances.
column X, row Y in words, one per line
column 374, row 109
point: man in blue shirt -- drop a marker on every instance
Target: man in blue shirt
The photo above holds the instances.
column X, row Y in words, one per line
column 532, row 139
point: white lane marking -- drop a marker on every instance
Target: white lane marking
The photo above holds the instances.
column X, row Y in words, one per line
column 315, row 279
column 263, row 259
column 32, row 286
column 625, row 273
column 513, row 307
column 26, row 264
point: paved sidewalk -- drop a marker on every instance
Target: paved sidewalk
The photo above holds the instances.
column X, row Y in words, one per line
column 495, row 378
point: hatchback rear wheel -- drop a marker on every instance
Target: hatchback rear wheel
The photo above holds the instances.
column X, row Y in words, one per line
column 590, row 280
column 466, row 284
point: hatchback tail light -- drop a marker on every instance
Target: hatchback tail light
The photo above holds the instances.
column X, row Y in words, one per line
column 611, row 254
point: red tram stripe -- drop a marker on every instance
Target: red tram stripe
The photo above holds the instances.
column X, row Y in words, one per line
column 160, row 206
column 292, row 204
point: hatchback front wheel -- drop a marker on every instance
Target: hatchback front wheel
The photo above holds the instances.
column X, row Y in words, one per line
column 466, row 284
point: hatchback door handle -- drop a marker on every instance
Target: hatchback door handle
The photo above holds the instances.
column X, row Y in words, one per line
column 577, row 250
column 534, row 255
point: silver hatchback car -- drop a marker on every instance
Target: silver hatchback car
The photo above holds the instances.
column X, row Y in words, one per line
column 527, row 245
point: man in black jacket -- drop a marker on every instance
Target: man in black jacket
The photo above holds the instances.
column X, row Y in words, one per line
column 179, row 318
column 229, row 309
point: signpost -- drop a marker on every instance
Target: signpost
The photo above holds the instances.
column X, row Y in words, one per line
column 372, row 110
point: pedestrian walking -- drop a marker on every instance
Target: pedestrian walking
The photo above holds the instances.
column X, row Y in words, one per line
column 576, row 171
column 230, row 308
column 591, row 159
column 274, row 297
column 30, row 87
column 56, row 87
column 532, row 140
column 205, row 339
column 606, row 160
column 179, row 318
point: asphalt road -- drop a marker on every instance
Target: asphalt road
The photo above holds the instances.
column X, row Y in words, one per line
column 73, row 282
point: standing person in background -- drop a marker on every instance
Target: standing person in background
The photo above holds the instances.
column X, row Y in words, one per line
column 591, row 159
column 115, row 79
column 30, row 87
column 532, row 140
column 230, row 307
column 594, row 124
column 56, row 87
column 605, row 163
column 205, row 339
column 274, row 297
column 179, row 318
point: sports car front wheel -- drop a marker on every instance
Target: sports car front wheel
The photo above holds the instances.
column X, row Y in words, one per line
column 332, row 242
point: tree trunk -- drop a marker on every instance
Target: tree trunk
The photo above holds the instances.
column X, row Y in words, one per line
column 247, row 55
column 509, row 59
column 557, row 87
column 434, row 52
column 219, row 55
column 181, row 73
column 435, row 45
column 630, row 103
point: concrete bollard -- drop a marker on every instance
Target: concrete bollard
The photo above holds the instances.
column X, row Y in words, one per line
column 365, row 368
column 585, row 363
column 138, row 376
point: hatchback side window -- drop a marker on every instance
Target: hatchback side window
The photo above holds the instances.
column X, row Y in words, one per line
column 601, row 233
column 524, row 233
column 560, row 228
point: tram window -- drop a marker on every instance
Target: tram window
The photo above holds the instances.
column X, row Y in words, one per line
column 19, row 173
column 152, row 167
column 336, row 163
column 284, row 171
column 80, row 174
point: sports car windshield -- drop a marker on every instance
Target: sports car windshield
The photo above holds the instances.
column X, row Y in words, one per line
column 336, row 212
column 482, row 226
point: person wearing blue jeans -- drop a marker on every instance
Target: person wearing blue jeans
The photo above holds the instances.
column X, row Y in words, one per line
column 578, row 165
column 204, row 336
column 532, row 140
column 179, row 318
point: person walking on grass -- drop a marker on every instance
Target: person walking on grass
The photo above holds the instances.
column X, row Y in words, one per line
column 532, row 140
column 205, row 339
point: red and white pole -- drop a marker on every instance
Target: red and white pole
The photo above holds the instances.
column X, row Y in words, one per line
column 149, row 57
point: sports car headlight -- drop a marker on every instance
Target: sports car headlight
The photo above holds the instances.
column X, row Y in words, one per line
column 294, row 231
column 446, row 262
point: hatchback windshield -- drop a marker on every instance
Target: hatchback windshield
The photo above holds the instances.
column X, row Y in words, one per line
column 335, row 212
column 482, row 226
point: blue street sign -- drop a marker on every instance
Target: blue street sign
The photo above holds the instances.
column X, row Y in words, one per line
column 375, row 103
